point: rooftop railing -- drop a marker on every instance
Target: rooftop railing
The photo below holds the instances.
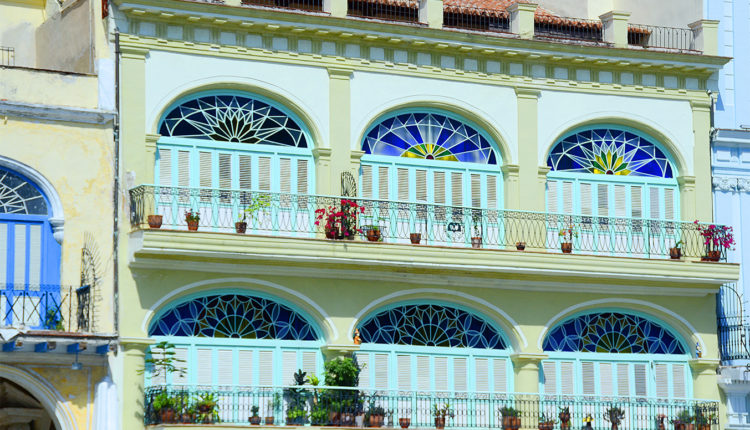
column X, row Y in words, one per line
column 305, row 5
column 350, row 407
column 391, row 10
column 661, row 38
column 46, row 307
column 568, row 28
column 397, row 222
column 733, row 338
column 476, row 19
column 7, row 56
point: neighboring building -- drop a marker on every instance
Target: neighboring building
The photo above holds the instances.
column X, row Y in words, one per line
column 467, row 130
column 57, row 158
column 731, row 180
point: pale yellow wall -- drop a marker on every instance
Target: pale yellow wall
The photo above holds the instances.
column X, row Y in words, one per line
column 76, row 387
column 39, row 87
column 665, row 13
column 64, row 40
column 18, row 21
column 78, row 161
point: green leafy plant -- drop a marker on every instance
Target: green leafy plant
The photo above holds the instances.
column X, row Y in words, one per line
column 207, row 410
column 256, row 204
column 342, row 372
column 297, row 399
column 679, row 244
column 163, row 361
column 254, row 409
column 614, row 415
column 442, row 411
column 192, row 216
column 507, row 411
column 543, row 418
column 163, row 401
column 53, row 320
column 568, row 234
column 683, row 417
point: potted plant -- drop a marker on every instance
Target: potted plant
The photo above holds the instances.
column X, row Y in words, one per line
column 256, row 204
column 717, row 239
column 297, row 400
column 683, row 421
column 274, row 406
column 340, row 222
column 546, row 423
column 566, row 239
column 376, row 415
column 588, row 420
column 520, row 246
column 206, row 408
column 188, row 414
column 614, row 416
column 440, row 414
column 703, row 421
column 476, row 237
column 660, row 422
column 415, row 238
column 511, row 418
column 154, row 221
column 165, row 407
column 404, row 423
column 675, row 253
column 564, row 416
column 255, row 419
column 192, row 218
column 296, row 416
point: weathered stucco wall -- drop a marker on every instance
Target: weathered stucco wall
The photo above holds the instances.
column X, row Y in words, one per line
column 49, row 88
column 64, row 40
column 666, row 13
column 18, row 20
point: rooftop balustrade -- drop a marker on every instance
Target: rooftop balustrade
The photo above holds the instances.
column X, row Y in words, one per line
column 7, row 56
column 350, row 407
column 318, row 217
column 46, row 307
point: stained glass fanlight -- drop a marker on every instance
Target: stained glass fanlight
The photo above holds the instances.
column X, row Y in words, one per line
column 18, row 196
column 612, row 332
column 609, row 151
column 233, row 118
column 429, row 136
column 430, row 325
column 234, row 316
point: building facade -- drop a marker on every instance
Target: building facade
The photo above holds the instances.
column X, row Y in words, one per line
column 730, row 152
column 57, row 158
column 478, row 204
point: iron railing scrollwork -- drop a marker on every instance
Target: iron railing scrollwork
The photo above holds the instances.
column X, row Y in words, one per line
column 46, row 307
column 293, row 215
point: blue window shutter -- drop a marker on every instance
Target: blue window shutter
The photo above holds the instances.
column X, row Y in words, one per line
column 460, row 378
column 606, row 385
column 404, row 372
column 363, row 359
column 499, row 375
column 303, row 177
column 204, row 366
column 225, row 367
column 245, row 368
column 549, row 377
column 381, row 371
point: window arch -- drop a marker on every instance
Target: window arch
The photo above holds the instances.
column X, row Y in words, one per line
column 615, row 353
column 30, row 267
column 611, row 171
column 431, row 346
column 233, row 140
column 430, row 156
column 231, row 339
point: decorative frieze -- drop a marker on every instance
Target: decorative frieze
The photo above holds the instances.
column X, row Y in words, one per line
column 731, row 184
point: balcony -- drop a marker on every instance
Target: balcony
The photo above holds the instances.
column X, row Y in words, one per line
column 340, row 407
column 46, row 308
column 295, row 216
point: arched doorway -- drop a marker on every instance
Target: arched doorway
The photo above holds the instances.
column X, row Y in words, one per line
column 19, row 410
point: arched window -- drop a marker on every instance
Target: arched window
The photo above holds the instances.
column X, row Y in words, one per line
column 615, row 353
column 432, row 347
column 430, row 157
column 237, row 340
column 30, row 263
column 238, row 141
column 611, row 171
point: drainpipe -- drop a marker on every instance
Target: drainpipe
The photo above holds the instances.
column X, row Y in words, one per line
column 116, row 185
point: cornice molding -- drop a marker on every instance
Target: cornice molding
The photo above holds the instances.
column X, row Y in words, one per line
column 724, row 183
column 56, row 113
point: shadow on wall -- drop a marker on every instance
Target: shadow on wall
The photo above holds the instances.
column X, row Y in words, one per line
column 65, row 40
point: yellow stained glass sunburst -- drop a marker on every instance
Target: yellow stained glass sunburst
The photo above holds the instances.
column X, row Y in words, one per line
column 429, row 151
column 609, row 163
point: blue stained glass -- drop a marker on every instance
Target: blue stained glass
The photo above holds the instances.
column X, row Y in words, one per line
column 430, row 325
column 428, row 136
column 229, row 118
column 609, row 152
column 612, row 332
column 18, row 196
column 234, row 316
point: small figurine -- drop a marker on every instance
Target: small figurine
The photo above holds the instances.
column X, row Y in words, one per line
column 357, row 339
column 698, row 350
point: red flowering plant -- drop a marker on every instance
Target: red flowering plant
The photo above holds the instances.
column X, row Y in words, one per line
column 716, row 238
column 340, row 221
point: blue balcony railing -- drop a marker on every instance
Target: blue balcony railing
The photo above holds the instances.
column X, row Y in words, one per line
column 46, row 307
column 292, row 215
column 353, row 407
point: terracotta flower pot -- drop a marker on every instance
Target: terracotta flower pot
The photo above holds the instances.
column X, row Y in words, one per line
column 415, row 238
column 564, row 421
column 330, row 233
column 347, row 419
column 511, row 423
column 154, row 221
column 566, row 247
column 240, row 227
column 684, row 426
column 404, row 423
column 187, row 418
column 439, row 422
column 712, row 256
column 376, row 420
column 520, row 246
column 547, row 426
column 254, row 420
column 373, row 234
column 167, row 415
column 704, row 426
column 476, row 242
column 675, row 253
column 192, row 225
column 269, row 421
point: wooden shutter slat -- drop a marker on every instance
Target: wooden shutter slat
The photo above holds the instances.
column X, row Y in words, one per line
column 602, row 191
column 457, row 189
column 402, row 183
column 567, row 381
column 669, row 204
column 165, row 167
column 181, row 363
column 381, row 371
column 310, row 362
column 460, row 381
column 588, row 378
column 285, row 175
column 636, row 201
column 183, row 168
column 623, row 380
column 439, row 184
column 423, row 373
column 246, row 172
column 383, row 192
column 264, row 173
column 492, row 197
column 265, row 368
column 661, row 376
column 404, row 372
column 654, row 203
column 245, row 368
column 363, row 359
column 476, row 190
column 421, row 185
column 552, row 197
column 567, row 197
column 303, row 186
column 204, row 367
column 225, row 171
column 441, row 373
column 678, row 381
column 482, row 369
column 641, row 381
column 499, row 373
column 367, row 182
column 549, row 371
column 225, row 368
column 620, row 201
column 289, row 366
column 205, row 172
column 606, row 387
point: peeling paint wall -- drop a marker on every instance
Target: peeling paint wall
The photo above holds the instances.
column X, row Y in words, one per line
column 64, row 40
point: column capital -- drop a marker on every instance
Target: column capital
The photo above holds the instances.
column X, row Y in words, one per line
column 357, row 155
column 527, row 93
column 705, row 365
column 686, row 182
column 322, row 153
column 344, row 74
column 133, row 53
column 136, row 343
column 339, row 350
column 151, row 141
column 528, row 359
column 701, row 105
column 510, row 170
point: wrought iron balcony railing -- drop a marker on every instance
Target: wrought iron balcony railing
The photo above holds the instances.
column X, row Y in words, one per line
column 295, row 216
column 301, row 405
column 734, row 335
column 46, row 307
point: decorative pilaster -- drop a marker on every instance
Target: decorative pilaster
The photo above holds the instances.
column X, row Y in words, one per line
column 150, row 147
column 133, row 114
column 340, row 125
column 322, row 170
column 701, row 159
column 355, row 161
column 431, row 13
column 526, row 369
column 687, row 196
column 704, row 378
column 133, row 351
column 522, row 19
column 706, row 36
column 615, row 28
column 528, row 150
column 510, row 182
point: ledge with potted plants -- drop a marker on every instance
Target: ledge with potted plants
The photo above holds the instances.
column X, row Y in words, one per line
column 717, row 239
